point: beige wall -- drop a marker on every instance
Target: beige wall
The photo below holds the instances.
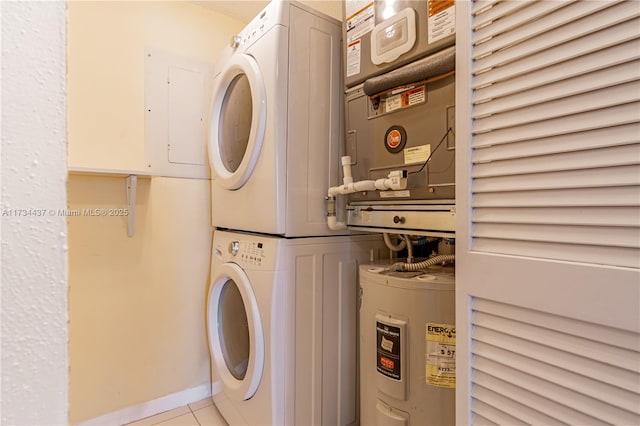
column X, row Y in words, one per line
column 106, row 42
column 136, row 305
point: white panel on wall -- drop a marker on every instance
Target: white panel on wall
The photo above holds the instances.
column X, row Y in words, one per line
column 556, row 130
column 177, row 94
column 187, row 96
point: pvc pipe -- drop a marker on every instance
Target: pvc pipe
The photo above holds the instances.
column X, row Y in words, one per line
column 346, row 170
column 334, row 225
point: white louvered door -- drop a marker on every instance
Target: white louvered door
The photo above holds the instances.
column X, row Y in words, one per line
column 548, row 222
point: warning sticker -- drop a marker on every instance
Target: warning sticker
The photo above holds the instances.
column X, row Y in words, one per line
column 388, row 348
column 414, row 96
column 417, row 154
column 360, row 18
column 353, row 58
column 442, row 19
column 441, row 355
column 404, row 98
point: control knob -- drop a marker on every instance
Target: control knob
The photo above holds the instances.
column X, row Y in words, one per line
column 234, row 247
column 398, row 219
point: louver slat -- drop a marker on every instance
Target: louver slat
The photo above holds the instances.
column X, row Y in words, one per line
column 565, row 106
column 532, row 27
column 555, row 54
column 589, row 121
column 571, row 371
column 581, row 160
column 573, row 142
column 554, row 40
column 532, row 406
column 611, row 336
column 493, row 15
column 614, row 385
column 575, row 67
column 584, row 84
column 575, row 216
column 493, row 415
column 508, row 405
column 524, row 372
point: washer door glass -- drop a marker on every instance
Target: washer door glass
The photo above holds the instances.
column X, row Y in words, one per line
column 233, row 329
column 237, row 121
column 236, row 339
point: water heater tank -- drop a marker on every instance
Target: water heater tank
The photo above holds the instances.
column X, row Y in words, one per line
column 407, row 347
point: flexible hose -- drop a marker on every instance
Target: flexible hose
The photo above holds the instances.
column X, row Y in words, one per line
column 391, row 246
column 436, row 260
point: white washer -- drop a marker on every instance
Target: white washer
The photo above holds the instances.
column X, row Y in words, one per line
column 275, row 127
column 281, row 320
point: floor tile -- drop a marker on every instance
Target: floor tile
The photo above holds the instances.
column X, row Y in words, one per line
column 210, row 416
column 153, row 420
column 201, row 404
column 186, row 420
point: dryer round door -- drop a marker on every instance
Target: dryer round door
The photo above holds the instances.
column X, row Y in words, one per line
column 236, row 339
column 238, row 120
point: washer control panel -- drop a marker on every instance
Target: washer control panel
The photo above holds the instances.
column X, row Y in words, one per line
column 247, row 253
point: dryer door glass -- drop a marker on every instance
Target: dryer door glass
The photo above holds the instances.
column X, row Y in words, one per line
column 233, row 330
column 235, row 123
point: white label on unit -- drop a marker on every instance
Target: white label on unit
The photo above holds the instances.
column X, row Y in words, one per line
column 417, row 154
column 360, row 18
column 395, row 194
column 393, row 103
column 442, row 19
column 353, row 58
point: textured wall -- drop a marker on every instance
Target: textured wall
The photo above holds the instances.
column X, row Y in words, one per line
column 34, row 258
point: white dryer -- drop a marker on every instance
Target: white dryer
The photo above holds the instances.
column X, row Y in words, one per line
column 281, row 321
column 275, row 127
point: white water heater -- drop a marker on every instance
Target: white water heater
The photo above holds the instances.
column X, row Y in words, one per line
column 407, row 347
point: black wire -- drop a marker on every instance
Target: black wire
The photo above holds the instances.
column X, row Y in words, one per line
column 449, row 130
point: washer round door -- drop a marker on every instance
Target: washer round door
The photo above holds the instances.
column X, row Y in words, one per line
column 237, row 121
column 236, row 339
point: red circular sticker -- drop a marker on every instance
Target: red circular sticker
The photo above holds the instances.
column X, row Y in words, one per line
column 394, row 138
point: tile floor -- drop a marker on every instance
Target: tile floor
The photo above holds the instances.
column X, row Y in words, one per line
column 201, row 413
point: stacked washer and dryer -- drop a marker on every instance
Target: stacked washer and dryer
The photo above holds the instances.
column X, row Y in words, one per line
column 399, row 71
column 282, row 302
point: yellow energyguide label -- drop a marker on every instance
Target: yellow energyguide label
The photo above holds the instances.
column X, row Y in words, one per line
column 441, row 355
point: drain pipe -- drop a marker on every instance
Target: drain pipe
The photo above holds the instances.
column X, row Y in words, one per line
column 396, row 180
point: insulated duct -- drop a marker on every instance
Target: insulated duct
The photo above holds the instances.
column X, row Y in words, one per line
column 422, row 69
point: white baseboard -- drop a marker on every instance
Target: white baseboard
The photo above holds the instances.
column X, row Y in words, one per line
column 150, row 408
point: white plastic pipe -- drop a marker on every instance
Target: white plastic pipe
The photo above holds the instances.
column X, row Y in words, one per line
column 346, row 170
column 334, row 225
column 396, row 180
